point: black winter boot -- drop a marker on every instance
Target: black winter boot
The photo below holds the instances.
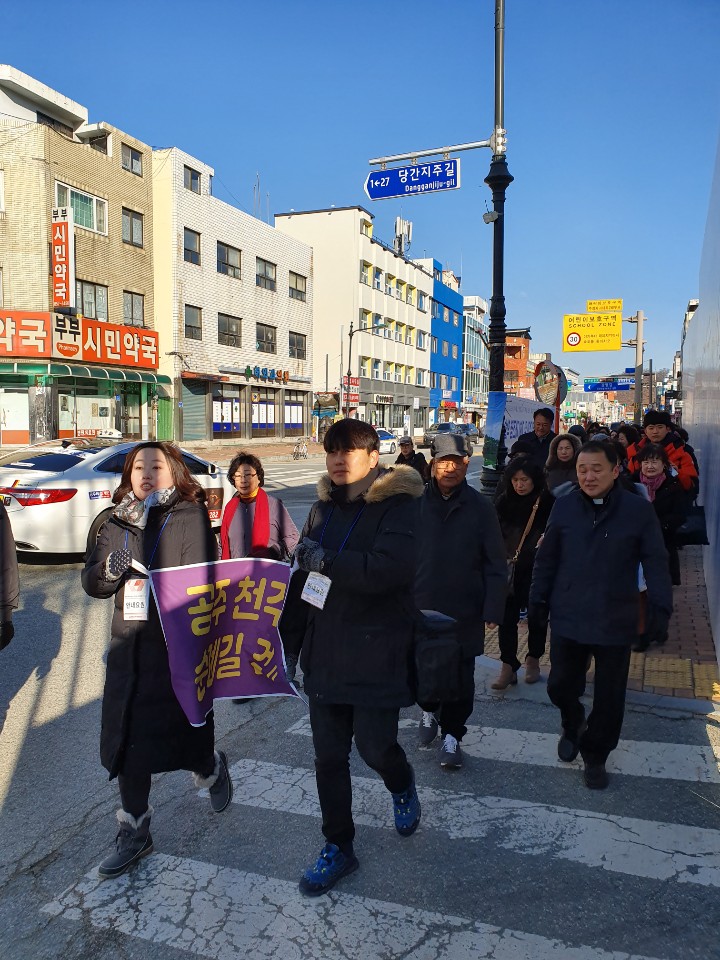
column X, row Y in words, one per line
column 132, row 843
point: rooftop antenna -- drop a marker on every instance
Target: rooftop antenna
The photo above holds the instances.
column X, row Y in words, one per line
column 403, row 236
column 256, row 196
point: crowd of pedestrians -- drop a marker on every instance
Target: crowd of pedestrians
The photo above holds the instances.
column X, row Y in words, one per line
column 387, row 549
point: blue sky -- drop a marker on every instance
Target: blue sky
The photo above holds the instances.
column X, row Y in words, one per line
column 612, row 110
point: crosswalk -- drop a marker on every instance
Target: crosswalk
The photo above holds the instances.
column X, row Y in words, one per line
column 213, row 909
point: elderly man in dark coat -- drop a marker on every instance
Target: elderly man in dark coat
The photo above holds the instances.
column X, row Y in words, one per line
column 462, row 572
column 350, row 616
column 598, row 535
column 538, row 439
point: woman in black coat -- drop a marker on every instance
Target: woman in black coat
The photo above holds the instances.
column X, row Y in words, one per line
column 667, row 496
column 525, row 492
column 160, row 520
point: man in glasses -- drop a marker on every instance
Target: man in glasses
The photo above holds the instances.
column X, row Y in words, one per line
column 462, row 572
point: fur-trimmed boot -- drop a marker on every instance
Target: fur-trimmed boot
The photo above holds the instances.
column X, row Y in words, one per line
column 218, row 784
column 132, row 843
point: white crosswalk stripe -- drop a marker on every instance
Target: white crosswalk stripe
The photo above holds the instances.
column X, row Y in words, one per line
column 640, row 848
column 223, row 913
column 635, row 758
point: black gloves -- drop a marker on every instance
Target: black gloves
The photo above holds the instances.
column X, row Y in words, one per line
column 309, row 556
column 7, row 632
column 290, row 667
column 117, row 564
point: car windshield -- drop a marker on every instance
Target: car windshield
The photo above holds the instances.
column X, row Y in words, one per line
column 445, row 427
column 50, row 460
column 72, row 445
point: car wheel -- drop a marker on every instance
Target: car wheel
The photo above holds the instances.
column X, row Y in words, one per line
column 392, row 448
column 94, row 531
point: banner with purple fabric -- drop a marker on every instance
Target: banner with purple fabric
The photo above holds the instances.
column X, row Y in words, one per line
column 220, row 622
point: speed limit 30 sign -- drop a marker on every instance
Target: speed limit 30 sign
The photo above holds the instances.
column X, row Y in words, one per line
column 573, row 339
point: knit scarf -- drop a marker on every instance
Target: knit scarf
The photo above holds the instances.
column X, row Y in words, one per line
column 261, row 523
column 652, row 484
column 135, row 511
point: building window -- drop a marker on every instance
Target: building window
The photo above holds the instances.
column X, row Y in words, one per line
column 377, row 279
column 443, row 381
column 511, row 376
column 422, row 301
column 422, row 340
column 228, row 260
column 365, row 273
column 409, row 295
column 192, row 180
column 420, row 380
column 131, row 160
column 433, row 380
column 193, row 322
column 229, row 330
column 365, row 228
column 88, row 212
column 364, row 321
column 191, row 247
column 58, row 125
column 132, row 227
column 446, row 314
column 455, row 350
column 453, row 383
column 389, row 285
column 298, row 286
column 298, row 346
column 133, row 309
column 377, row 369
column 445, row 348
column 92, row 300
column 266, row 338
column 433, row 342
column 365, row 367
column 456, row 318
column 265, row 274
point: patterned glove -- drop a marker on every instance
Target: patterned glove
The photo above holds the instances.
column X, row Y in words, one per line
column 117, row 564
column 7, row 632
column 290, row 667
column 309, row 556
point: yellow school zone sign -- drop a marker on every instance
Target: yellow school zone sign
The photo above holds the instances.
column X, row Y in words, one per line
column 583, row 332
column 604, row 306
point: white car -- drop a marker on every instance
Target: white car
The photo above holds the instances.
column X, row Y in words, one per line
column 388, row 442
column 58, row 494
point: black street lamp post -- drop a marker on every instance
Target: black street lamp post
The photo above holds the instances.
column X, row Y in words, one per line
column 349, row 372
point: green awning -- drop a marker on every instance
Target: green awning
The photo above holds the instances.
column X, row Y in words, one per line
column 74, row 370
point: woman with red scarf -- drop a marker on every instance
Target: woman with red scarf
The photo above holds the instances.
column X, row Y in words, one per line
column 254, row 524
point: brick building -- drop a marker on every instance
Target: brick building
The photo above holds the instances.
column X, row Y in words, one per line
column 518, row 366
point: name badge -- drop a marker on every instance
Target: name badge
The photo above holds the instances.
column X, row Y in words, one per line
column 316, row 589
column 136, row 599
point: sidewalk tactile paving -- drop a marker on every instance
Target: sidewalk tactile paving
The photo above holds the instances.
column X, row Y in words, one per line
column 668, row 672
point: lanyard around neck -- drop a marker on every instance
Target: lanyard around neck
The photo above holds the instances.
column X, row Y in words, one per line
column 152, row 555
column 352, row 525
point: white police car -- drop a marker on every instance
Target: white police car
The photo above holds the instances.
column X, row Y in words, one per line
column 58, row 494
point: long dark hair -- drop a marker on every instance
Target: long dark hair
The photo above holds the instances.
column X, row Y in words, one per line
column 186, row 487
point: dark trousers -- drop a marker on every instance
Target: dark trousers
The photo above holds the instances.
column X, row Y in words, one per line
column 135, row 789
column 569, row 663
column 508, row 634
column 375, row 731
column 452, row 716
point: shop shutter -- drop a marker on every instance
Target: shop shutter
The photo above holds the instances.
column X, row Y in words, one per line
column 194, row 413
column 165, row 418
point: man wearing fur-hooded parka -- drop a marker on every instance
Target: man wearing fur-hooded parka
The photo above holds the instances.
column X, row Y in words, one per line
column 350, row 617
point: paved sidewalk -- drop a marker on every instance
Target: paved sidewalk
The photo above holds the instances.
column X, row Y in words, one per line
column 686, row 666
column 222, row 451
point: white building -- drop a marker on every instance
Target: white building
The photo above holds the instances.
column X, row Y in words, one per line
column 365, row 284
column 234, row 305
column 476, row 358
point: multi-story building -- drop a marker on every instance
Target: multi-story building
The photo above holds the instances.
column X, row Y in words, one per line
column 95, row 367
column 235, row 307
column 475, row 359
column 372, row 301
column 518, row 366
column 446, row 336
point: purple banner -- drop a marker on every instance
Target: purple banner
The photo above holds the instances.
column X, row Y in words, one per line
column 220, row 622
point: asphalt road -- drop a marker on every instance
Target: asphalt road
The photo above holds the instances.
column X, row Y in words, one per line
column 515, row 859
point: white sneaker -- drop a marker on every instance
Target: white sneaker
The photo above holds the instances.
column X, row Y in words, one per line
column 428, row 728
column 450, row 753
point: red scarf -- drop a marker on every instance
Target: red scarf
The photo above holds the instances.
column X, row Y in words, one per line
column 261, row 524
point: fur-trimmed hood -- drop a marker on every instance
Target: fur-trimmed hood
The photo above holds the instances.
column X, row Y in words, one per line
column 391, row 481
column 552, row 460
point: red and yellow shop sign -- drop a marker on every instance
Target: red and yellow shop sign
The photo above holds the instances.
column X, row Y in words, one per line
column 76, row 339
column 62, row 257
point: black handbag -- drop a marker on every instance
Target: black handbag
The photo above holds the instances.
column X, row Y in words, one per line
column 693, row 531
column 438, row 659
column 512, row 562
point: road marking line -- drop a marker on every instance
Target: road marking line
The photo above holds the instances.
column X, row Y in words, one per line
column 640, row 848
column 220, row 912
column 635, row 758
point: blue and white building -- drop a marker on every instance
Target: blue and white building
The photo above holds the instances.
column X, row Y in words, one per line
column 446, row 343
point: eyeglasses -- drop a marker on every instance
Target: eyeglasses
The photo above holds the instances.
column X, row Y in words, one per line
column 244, row 476
column 449, row 464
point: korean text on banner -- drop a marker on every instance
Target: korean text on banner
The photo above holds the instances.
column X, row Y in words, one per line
column 62, row 257
column 583, row 332
column 220, row 622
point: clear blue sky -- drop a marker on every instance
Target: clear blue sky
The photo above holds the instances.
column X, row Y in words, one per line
column 612, row 110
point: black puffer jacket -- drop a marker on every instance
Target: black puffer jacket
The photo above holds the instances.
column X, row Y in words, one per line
column 9, row 579
column 461, row 562
column 671, row 507
column 357, row 649
column 143, row 727
column 514, row 512
column 595, row 551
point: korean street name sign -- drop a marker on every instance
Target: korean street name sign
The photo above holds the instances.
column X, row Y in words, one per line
column 441, row 175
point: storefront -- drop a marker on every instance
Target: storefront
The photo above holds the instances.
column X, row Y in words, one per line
column 401, row 412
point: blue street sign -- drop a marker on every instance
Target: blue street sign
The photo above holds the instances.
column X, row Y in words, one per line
column 629, row 369
column 418, row 178
column 605, row 386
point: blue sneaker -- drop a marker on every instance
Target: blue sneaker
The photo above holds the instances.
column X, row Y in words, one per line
column 332, row 865
column 406, row 807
